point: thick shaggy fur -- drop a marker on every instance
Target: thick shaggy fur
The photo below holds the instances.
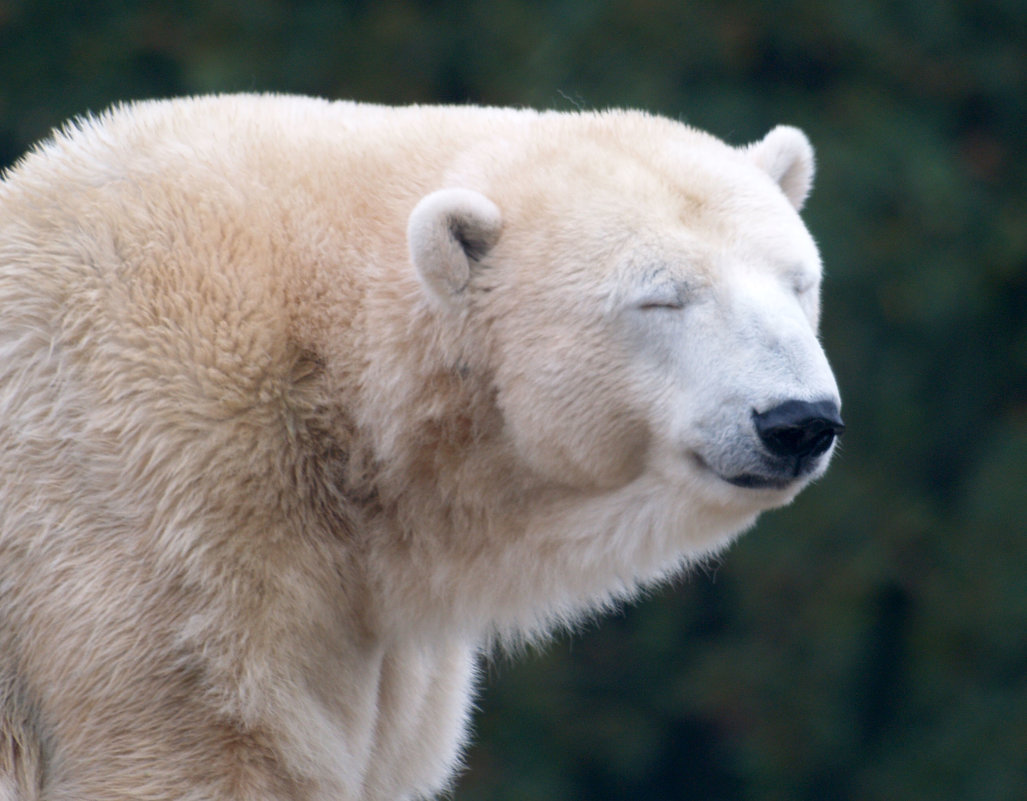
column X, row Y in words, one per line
column 287, row 434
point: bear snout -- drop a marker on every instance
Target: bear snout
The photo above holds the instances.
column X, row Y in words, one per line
column 799, row 430
column 791, row 440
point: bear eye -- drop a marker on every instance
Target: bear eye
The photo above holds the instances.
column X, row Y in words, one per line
column 804, row 287
column 661, row 304
column 672, row 296
column 802, row 282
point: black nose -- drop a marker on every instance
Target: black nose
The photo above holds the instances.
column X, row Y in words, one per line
column 799, row 429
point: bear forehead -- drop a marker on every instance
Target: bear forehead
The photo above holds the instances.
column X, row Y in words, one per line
column 615, row 202
column 628, row 167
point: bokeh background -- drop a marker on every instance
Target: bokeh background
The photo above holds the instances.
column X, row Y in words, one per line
column 869, row 642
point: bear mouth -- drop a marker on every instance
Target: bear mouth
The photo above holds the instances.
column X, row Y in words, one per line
column 754, row 481
column 772, row 474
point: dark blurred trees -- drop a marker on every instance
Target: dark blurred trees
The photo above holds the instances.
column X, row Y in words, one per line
column 871, row 641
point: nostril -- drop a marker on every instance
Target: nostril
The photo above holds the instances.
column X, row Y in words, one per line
column 799, row 429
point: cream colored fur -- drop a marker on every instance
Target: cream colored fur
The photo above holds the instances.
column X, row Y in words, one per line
column 304, row 403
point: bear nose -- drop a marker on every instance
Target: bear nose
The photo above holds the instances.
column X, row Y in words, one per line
column 799, row 429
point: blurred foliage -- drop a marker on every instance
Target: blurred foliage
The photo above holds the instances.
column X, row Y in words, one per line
column 870, row 642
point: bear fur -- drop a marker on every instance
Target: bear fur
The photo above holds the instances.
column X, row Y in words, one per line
column 303, row 404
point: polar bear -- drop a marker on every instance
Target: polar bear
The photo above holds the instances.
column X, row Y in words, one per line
column 304, row 403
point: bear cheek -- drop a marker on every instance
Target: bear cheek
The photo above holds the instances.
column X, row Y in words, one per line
column 582, row 450
column 618, row 456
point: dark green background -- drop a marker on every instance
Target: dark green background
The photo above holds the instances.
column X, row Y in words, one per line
column 870, row 642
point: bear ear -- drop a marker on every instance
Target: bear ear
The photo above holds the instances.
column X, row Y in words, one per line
column 448, row 230
column 787, row 156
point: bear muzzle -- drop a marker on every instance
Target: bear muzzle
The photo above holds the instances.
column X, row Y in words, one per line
column 795, row 434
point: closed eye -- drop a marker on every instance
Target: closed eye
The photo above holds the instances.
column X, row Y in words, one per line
column 804, row 287
column 670, row 297
column 652, row 305
column 802, row 282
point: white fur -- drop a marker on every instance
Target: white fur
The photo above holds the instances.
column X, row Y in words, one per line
column 787, row 156
column 303, row 403
column 449, row 229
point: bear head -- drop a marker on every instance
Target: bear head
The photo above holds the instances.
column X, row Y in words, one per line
column 646, row 299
